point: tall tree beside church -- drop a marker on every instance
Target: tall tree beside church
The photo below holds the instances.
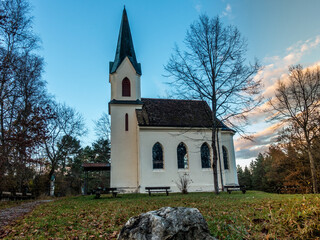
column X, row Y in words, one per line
column 63, row 129
column 297, row 103
column 23, row 97
column 214, row 68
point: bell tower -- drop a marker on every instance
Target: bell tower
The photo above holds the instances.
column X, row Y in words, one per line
column 125, row 71
column 124, row 77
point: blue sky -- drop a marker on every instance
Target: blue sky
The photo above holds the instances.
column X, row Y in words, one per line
column 79, row 39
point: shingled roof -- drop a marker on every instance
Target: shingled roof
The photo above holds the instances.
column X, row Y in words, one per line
column 175, row 113
column 125, row 47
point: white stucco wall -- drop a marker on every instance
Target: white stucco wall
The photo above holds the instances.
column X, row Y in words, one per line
column 125, row 70
column 169, row 138
column 124, row 147
column 230, row 176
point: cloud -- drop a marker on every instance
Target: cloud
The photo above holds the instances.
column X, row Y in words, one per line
column 227, row 11
column 276, row 68
column 250, row 153
column 198, row 7
column 246, row 149
column 228, row 8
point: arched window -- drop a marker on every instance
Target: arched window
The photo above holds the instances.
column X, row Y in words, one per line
column 157, row 156
column 126, row 89
column 225, row 157
column 127, row 122
column 182, row 156
column 205, row 156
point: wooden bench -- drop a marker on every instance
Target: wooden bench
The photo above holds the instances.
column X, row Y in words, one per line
column 114, row 191
column 29, row 196
column 158, row 189
column 18, row 196
column 6, row 195
column 15, row 195
column 106, row 190
column 231, row 188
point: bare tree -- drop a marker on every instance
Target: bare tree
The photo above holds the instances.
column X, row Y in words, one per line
column 297, row 104
column 213, row 68
column 101, row 147
column 102, row 127
column 22, row 91
column 184, row 183
column 66, row 122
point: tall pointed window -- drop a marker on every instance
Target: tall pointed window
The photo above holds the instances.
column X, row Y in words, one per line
column 157, row 156
column 127, row 122
column 126, row 88
column 182, row 153
column 205, row 156
column 225, row 157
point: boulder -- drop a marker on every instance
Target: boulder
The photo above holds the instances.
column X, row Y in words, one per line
column 167, row 223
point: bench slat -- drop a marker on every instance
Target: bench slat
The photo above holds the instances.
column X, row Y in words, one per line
column 6, row 193
column 151, row 188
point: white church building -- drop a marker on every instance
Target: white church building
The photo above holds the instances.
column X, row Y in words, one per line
column 155, row 141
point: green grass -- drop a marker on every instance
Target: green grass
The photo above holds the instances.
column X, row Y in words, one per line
column 254, row 215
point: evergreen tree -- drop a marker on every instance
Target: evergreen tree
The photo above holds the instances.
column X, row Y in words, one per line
column 258, row 173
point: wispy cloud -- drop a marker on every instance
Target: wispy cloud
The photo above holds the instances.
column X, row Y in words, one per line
column 227, row 11
column 247, row 149
column 198, row 7
column 276, row 67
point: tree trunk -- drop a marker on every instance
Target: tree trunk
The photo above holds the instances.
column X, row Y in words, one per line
column 313, row 171
column 51, row 182
column 215, row 161
column 214, row 137
column 218, row 146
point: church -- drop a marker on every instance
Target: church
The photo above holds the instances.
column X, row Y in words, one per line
column 154, row 141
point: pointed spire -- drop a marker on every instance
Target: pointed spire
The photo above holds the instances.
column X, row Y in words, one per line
column 125, row 46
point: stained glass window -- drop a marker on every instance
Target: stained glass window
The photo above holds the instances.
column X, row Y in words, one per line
column 126, row 89
column 127, row 122
column 157, row 156
column 205, row 156
column 225, row 157
column 182, row 156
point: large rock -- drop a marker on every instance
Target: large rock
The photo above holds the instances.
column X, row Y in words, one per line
column 167, row 223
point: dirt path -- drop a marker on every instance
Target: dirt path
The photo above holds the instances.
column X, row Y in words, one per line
column 9, row 215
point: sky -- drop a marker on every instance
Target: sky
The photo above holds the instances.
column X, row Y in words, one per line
column 79, row 40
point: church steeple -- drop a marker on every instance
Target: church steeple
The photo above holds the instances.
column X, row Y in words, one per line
column 125, row 47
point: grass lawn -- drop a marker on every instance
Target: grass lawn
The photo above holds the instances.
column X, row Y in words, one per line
column 254, row 215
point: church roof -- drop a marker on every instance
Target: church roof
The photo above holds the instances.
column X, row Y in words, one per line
column 176, row 113
column 125, row 47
